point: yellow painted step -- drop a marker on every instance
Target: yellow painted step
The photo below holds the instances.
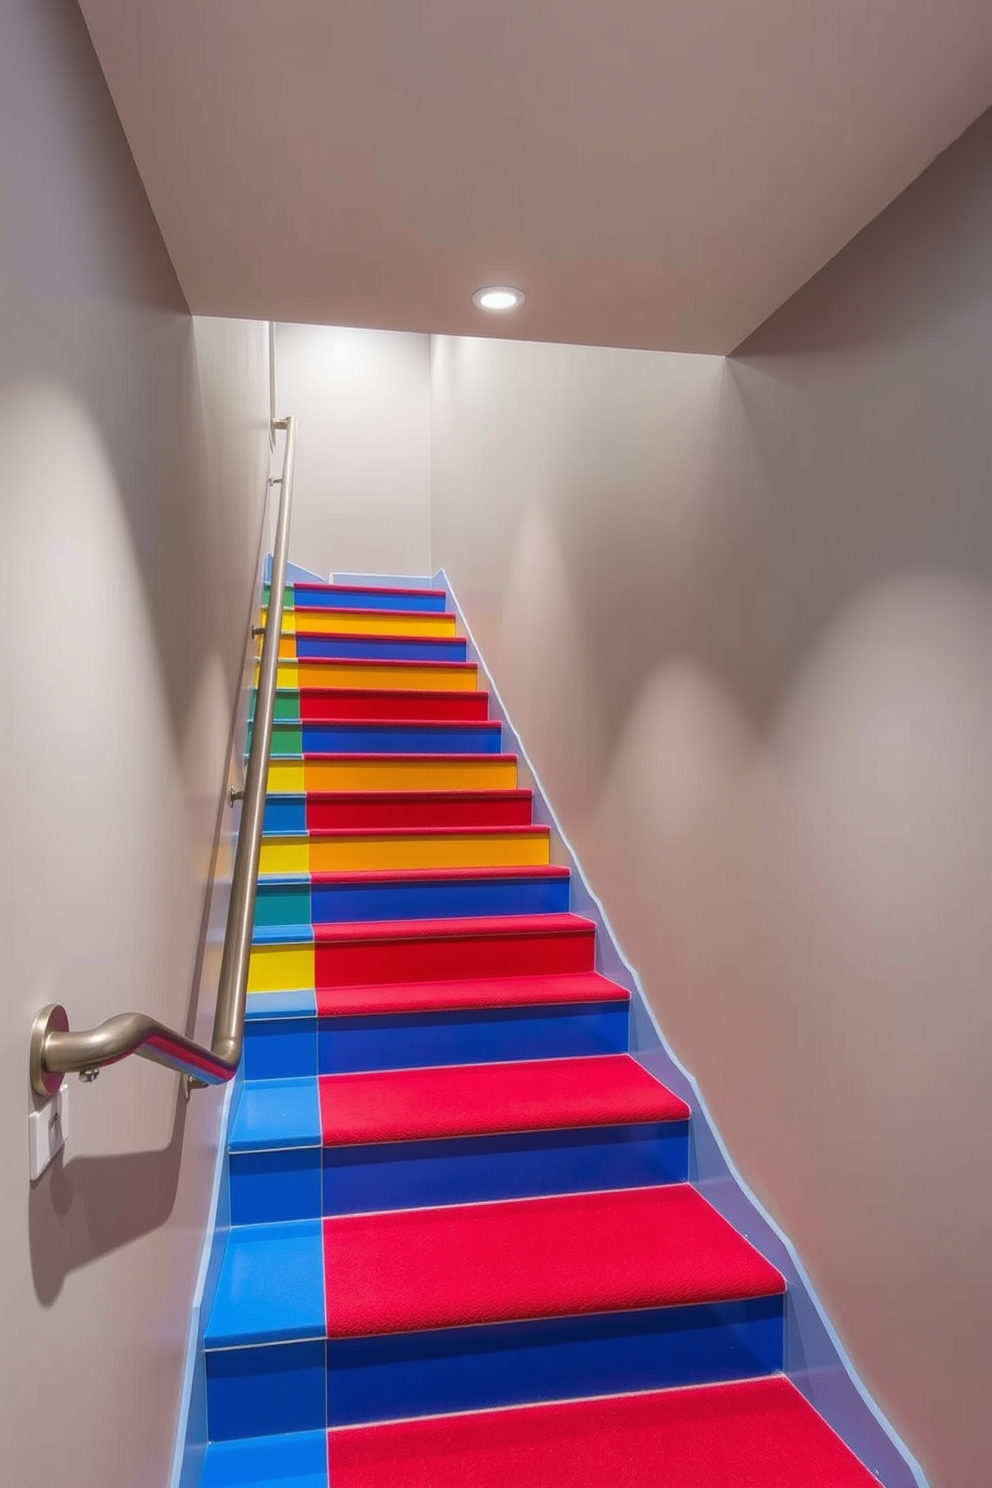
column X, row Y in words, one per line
column 376, row 676
column 358, row 852
column 280, row 968
column 365, row 622
column 394, row 772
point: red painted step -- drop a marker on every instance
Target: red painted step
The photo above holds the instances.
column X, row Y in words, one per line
column 318, row 705
column 402, row 810
column 569, row 1255
column 441, row 950
column 472, row 1100
column 556, row 990
column 757, row 1434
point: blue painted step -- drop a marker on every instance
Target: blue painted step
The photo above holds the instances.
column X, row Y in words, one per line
column 382, row 648
column 324, row 899
column 355, row 597
column 346, row 737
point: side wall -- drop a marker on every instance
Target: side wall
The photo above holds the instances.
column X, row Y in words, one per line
column 131, row 495
column 361, row 499
column 742, row 615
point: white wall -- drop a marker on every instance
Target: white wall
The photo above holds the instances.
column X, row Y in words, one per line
column 361, row 501
column 742, row 616
column 131, row 496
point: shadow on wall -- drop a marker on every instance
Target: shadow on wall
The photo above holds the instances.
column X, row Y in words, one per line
column 86, row 1208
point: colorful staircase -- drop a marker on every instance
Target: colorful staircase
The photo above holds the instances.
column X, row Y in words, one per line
column 463, row 1251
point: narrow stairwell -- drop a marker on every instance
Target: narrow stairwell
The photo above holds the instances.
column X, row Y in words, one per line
column 463, row 1248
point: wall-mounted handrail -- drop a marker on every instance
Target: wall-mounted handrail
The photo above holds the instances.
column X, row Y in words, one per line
column 55, row 1050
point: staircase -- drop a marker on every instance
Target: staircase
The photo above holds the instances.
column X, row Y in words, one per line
column 463, row 1251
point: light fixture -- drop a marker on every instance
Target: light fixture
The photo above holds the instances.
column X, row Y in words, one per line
column 498, row 297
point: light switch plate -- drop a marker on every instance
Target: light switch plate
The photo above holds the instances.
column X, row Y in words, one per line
column 48, row 1131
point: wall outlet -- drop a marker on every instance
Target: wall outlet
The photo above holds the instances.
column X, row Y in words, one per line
column 48, row 1132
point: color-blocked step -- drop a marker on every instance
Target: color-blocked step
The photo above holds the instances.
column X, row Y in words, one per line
column 391, row 624
column 410, row 894
column 408, row 951
column 410, row 1138
column 310, row 645
column 411, row 1025
column 478, row 1305
column 323, row 851
column 410, row 705
column 325, row 672
column 358, row 597
column 754, row 1434
column 397, row 811
column 374, row 736
column 388, row 772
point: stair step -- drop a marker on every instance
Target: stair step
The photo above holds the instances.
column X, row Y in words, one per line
column 412, row 1025
column 321, row 620
column 755, row 1434
column 398, row 811
column 337, row 851
column 408, row 894
column 412, row 705
column 488, row 1304
column 424, row 950
column 325, row 672
column 360, row 597
column 472, row 993
column 308, row 645
column 405, row 705
column 494, row 1263
column 357, row 1143
column 400, row 772
column 293, row 739
column 422, row 1104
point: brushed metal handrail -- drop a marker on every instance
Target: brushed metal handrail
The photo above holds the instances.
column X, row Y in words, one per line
column 55, row 1049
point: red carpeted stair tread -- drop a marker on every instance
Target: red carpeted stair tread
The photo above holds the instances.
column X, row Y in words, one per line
column 429, row 809
column 534, row 1258
column 390, row 704
column 555, row 989
column 451, row 949
column 321, row 834
column 465, row 928
column 756, row 1434
column 471, row 1100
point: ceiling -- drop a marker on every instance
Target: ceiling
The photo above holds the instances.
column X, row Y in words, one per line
column 652, row 174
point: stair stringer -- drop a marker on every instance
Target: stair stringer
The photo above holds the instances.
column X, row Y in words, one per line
column 816, row 1360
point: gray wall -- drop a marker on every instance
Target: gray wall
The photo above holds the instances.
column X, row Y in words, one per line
column 362, row 493
column 131, row 496
column 742, row 615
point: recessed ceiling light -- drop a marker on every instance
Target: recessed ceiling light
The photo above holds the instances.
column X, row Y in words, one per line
column 498, row 297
